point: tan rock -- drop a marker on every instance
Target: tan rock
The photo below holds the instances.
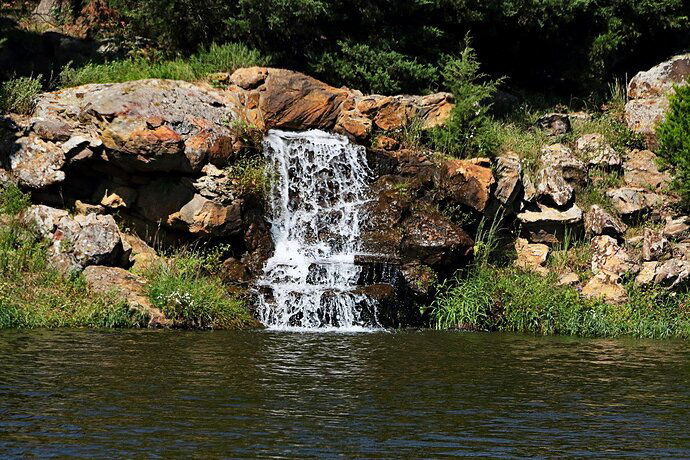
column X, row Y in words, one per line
column 647, row 273
column 141, row 255
column 640, row 170
column 677, row 228
column 569, row 279
column 531, row 256
column 654, row 245
column 547, row 225
column 599, row 222
column 605, row 287
column 561, row 158
column 127, row 287
column 552, row 188
column 610, row 258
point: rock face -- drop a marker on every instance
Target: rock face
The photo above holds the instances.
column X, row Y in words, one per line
column 77, row 242
column 648, row 95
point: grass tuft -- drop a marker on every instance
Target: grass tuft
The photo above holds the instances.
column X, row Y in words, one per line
column 18, row 95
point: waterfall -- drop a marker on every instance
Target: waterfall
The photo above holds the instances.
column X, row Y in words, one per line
column 318, row 191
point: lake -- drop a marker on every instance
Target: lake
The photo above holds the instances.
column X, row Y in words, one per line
column 276, row 394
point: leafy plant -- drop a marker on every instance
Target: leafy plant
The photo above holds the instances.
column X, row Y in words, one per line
column 18, row 95
column 472, row 92
column 674, row 140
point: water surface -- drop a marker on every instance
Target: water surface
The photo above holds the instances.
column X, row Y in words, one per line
column 270, row 394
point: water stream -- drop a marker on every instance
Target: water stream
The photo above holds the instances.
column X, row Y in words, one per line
column 319, row 188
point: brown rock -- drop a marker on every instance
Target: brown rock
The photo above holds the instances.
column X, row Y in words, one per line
column 561, row 158
column 531, row 256
column 466, row 183
column 385, row 143
column 599, row 222
column 127, row 287
column 420, row 279
column 555, row 124
column 641, row 171
column 654, row 245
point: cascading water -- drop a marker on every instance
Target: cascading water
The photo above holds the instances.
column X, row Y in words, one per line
column 318, row 191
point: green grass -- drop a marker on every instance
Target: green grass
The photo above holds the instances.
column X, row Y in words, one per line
column 18, row 95
column 217, row 58
column 188, row 294
column 34, row 295
column 508, row 299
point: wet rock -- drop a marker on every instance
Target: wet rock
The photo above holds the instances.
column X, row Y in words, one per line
column 552, row 189
column 561, row 158
column 420, row 279
column 640, row 170
column 385, row 143
column 555, row 124
column 599, row 222
column 647, row 94
column 654, row 245
column 548, row 225
column 531, row 256
column 127, row 287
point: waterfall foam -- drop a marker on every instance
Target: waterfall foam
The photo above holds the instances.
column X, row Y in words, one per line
column 318, row 189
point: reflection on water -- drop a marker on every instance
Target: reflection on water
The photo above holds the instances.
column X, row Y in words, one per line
column 134, row 393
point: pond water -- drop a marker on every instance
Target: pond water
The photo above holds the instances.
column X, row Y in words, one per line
column 271, row 394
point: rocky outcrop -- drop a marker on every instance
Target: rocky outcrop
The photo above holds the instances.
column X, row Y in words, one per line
column 125, row 287
column 648, row 95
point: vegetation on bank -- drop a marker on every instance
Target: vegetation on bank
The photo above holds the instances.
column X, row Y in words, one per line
column 186, row 286
column 674, row 141
column 217, row 58
column 33, row 294
column 490, row 298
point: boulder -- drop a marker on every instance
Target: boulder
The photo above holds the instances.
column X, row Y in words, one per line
column 555, row 124
column 599, row 153
column 552, row 189
column 76, row 242
column 648, row 95
column 36, row 163
column 508, row 172
column 632, row 202
column 641, row 170
column 531, row 256
column 610, row 258
column 548, row 225
column 599, row 222
column 677, row 228
column 465, row 182
column 126, row 287
column 420, row 279
column 673, row 274
column 561, row 158
column 654, row 245
column 606, row 288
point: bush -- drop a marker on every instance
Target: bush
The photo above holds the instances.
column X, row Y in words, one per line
column 674, row 140
column 508, row 299
column 376, row 71
column 217, row 58
column 185, row 292
column 13, row 200
column 19, row 95
column 472, row 92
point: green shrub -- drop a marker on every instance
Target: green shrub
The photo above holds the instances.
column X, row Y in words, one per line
column 674, row 140
column 18, row 95
column 217, row 58
column 508, row 299
column 469, row 120
column 192, row 298
column 373, row 70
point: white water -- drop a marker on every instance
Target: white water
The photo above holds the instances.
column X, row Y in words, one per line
column 319, row 187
